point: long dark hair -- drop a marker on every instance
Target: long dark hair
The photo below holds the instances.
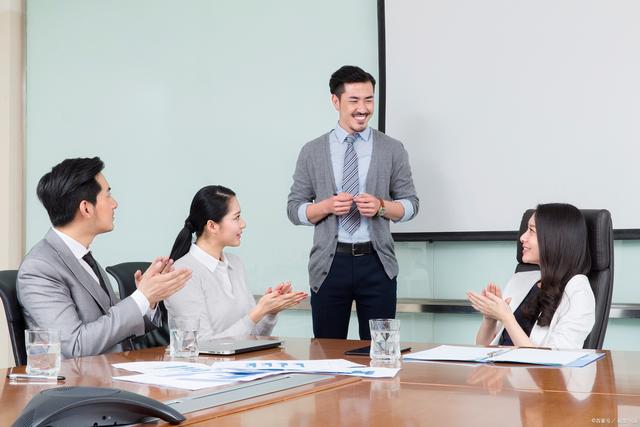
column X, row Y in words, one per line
column 564, row 252
column 209, row 203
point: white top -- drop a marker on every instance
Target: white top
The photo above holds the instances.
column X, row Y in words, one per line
column 78, row 250
column 571, row 323
column 218, row 294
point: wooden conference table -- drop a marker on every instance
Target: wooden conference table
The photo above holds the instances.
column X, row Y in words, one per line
column 606, row 392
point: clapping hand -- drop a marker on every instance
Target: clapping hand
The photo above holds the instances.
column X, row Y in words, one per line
column 277, row 299
column 160, row 265
column 492, row 288
column 281, row 288
column 161, row 280
column 490, row 303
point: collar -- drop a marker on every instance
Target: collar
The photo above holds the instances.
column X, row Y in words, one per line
column 341, row 134
column 207, row 260
column 77, row 249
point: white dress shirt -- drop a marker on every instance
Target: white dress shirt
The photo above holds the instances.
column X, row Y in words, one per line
column 218, row 294
column 78, row 250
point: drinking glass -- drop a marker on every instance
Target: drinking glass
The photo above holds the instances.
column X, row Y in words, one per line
column 385, row 339
column 183, row 336
column 43, row 351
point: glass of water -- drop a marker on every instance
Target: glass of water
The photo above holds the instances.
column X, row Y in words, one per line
column 184, row 336
column 43, row 351
column 385, row 340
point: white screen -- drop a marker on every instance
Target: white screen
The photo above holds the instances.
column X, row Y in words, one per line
column 504, row 104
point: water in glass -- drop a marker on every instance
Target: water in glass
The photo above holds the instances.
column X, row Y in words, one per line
column 385, row 339
column 184, row 343
column 43, row 351
column 183, row 336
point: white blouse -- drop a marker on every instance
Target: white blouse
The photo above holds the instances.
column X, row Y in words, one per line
column 218, row 294
column 572, row 321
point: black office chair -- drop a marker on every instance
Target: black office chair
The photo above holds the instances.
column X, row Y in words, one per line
column 600, row 231
column 13, row 312
column 123, row 273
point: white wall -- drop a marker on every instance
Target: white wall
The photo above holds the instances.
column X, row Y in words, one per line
column 11, row 143
column 176, row 95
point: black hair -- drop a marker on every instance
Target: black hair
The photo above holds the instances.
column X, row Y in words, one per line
column 564, row 252
column 348, row 74
column 69, row 183
column 209, row 203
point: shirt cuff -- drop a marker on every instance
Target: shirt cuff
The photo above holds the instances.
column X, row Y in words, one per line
column 151, row 313
column 142, row 302
column 302, row 214
column 250, row 323
column 408, row 210
column 271, row 318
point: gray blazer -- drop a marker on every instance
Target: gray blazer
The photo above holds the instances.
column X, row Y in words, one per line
column 55, row 291
column 389, row 177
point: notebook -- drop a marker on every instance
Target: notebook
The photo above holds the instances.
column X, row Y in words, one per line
column 533, row 356
column 230, row 346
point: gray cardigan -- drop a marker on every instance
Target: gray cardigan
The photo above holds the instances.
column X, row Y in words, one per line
column 389, row 177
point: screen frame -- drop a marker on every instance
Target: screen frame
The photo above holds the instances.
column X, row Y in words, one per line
column 446, row 236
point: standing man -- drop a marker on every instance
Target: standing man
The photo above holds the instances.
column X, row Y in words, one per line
column 349, row 183
column 61, row 285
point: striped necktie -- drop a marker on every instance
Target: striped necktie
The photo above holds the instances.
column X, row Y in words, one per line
column 350, row 184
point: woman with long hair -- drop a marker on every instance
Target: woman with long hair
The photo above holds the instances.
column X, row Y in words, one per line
column 553, row 307
column 217, row 292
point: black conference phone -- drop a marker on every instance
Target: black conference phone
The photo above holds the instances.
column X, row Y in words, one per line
column 93, row 407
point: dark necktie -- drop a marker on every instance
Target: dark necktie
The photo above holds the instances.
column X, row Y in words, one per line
column 350, row 184
column 94, row 266
column 127, row 343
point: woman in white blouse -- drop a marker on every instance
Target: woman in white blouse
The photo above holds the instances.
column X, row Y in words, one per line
column 217, row 292
column 553, row 307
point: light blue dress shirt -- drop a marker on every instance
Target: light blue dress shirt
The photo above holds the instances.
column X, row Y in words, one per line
column 364, row 147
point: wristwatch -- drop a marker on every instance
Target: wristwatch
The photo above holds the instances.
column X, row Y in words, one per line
column 381, row 210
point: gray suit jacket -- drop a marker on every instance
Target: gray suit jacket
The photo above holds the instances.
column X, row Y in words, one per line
column 55, row 291
column 389, row 177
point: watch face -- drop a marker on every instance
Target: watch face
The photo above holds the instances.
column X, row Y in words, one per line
column 381, row 211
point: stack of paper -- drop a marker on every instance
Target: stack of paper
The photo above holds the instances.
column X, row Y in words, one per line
column 185, row 375
column 195, row 376
column 325, row 366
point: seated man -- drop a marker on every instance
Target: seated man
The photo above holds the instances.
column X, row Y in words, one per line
column 60, row 284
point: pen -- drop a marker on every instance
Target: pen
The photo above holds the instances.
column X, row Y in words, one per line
column 496, row 353
column 35, row 377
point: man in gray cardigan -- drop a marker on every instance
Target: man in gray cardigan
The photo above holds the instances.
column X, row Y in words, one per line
column 348, row 184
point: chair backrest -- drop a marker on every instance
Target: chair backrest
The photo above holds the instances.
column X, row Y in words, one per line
column 600, row 231
column 13, row 312
column 124, row 275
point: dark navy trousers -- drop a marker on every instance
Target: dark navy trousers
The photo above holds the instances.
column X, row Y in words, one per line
column 352, row 278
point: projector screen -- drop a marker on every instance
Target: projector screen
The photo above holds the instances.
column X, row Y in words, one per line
column 504, row 104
